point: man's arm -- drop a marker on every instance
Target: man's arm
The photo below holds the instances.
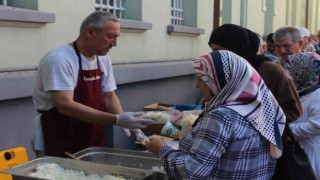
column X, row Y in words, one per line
column 112, row 103
column 68, row 107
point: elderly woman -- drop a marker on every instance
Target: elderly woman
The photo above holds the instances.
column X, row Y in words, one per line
column 246, row 43
column 238, row 135
column 305, row 70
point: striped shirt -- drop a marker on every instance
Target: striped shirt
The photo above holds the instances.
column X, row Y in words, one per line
column 222, row 145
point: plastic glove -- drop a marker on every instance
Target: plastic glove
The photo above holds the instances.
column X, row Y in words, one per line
column 131, row 120
column 126, row 131
column 140, row 136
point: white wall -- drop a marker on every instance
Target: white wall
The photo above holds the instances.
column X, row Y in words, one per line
column 24, row 46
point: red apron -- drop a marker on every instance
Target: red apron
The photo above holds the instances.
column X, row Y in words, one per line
column 62, row 133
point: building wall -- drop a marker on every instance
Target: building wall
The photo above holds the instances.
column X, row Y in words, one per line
column 266, row 16
column 150, row 65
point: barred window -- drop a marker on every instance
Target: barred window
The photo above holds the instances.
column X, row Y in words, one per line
column 113, row 6
column 176, row 12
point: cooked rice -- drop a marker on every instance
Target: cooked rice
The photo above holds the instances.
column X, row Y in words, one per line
column 54, row 171
column 159, row 117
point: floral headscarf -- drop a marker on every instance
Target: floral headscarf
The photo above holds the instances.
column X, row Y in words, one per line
column 239, row 87
column 304, row 68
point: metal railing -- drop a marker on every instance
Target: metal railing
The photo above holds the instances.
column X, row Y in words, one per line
column 176, row 12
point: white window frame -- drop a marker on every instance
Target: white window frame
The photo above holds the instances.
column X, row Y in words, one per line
column 176, row 12
column 105, row 5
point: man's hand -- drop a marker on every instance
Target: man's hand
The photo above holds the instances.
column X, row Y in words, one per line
column 132, row 120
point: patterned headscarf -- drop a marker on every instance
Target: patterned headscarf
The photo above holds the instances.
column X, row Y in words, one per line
column 304, row 68
column 239, row 87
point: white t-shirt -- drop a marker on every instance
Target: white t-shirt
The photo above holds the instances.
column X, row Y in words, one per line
column 58, row 70
column 306, row 129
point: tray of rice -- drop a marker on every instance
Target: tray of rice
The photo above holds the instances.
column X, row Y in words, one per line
column 121, row 158
column 69, row 169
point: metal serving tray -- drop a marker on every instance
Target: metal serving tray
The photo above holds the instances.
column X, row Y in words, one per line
column 88, row 167
column 120, row 157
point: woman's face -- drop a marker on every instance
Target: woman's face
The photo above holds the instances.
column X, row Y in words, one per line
column 216, row 47
column 207, row 95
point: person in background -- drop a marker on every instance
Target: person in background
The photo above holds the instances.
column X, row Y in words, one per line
column 263, row 50
column 75, row 94
column 288, row 41
column 306, row 130
column 245, row 43
column 237, row 136
column 307, row 40
column 316, row 42
column 270, row 45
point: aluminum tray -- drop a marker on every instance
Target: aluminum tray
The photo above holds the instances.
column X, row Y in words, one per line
column 88, row 167
column 120, row 157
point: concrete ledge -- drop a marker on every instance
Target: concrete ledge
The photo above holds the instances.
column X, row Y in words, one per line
column 130, row 73
column 18, row 14
column 184, row 29
column 18, row 83
column 137, row 25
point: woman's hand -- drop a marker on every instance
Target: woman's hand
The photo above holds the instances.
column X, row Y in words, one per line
column 155, row 143
column 176, row 115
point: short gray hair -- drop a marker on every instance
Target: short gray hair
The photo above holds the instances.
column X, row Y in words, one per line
column 287, row 32
column 97, row 20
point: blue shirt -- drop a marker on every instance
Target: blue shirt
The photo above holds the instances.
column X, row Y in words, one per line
column 222, row 145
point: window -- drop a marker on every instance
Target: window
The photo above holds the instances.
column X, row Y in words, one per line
column 25, row 4
column 184, row 18
column 113, row 6
column 176, row 12
column 24, row 11
column 129, row 12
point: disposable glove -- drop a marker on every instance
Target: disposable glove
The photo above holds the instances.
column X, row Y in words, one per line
column 132, row 120
column 140, row 136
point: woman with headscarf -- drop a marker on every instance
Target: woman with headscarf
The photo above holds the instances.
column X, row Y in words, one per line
column 305, row 70
column 238, row 135
column 246, row 43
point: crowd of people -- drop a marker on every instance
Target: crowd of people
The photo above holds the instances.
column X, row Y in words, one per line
column 252, row 87
column 288, row 65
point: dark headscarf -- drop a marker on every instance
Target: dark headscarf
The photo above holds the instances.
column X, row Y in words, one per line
column 239, row 40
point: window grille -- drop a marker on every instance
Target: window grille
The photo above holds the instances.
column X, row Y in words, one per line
column 176, row 12
column 113, row 6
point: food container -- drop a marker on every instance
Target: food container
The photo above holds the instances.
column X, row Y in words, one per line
column 170, row 130
column 121, row 157
column 160, row 119
column 155, row 106
column 22, row 171
column 12, row 157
